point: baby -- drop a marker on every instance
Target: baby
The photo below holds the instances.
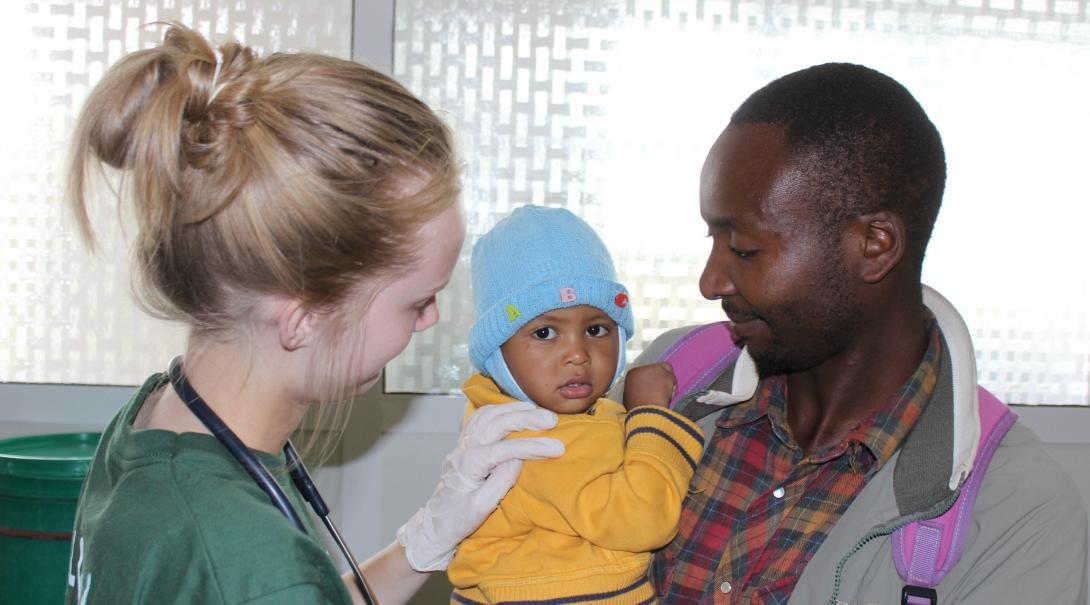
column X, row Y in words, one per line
column 551, row 326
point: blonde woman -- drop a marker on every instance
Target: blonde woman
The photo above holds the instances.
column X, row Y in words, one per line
column 299, row 213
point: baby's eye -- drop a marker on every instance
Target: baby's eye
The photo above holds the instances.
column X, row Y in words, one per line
column 597, row 331
column 545, row 333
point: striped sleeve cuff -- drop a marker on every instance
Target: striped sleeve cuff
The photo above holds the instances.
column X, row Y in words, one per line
column 665, row 434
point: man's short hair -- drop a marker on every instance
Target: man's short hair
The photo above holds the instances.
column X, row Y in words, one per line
column 862, row 142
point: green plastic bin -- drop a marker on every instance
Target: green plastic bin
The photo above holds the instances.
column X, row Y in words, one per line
column 40, row 481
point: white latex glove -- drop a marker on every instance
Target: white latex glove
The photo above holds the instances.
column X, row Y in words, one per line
column 475, row 476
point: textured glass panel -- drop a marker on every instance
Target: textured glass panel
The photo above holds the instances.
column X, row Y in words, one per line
column 66, row 316
column 608, row 108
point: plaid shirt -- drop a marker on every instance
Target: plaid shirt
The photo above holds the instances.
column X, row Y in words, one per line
column 758, row 509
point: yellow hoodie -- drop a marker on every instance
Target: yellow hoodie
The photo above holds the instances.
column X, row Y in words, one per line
column 581, row 528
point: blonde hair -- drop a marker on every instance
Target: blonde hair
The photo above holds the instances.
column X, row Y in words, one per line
column 296, row 174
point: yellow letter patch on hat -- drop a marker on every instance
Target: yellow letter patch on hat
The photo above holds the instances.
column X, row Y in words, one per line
column 513, row 313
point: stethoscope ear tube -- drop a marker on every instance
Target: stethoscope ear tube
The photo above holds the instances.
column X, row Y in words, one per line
column 261, row 475
column 306, row 487
column 234, row 445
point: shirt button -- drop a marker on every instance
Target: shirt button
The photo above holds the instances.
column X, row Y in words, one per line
column 778, row 493
column 725, row 587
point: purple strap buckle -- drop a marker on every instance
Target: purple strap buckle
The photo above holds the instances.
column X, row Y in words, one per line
column 924, row 550
column 918, row 595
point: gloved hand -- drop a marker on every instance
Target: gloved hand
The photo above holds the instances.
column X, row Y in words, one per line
column 475, row 476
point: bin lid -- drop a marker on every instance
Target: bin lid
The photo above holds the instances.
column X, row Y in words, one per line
column 52, row 456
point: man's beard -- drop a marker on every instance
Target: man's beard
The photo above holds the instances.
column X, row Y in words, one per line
column 835, row 322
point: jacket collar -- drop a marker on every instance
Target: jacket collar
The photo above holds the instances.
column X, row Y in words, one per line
column 938, row 454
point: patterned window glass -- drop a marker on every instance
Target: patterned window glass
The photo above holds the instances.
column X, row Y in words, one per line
column 608, row 107
column 65, row 316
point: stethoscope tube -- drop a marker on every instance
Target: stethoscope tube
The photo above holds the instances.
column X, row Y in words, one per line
column 261, row 475
column 310, row 493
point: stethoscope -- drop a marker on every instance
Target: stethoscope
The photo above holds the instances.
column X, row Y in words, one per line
column 299, row 475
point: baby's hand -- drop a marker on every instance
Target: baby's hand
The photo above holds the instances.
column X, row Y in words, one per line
column 652, row 384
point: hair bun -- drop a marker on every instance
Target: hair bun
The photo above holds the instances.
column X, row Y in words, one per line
column 221, row 90
column 299, row 174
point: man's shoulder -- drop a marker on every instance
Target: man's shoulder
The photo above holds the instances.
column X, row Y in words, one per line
column 663, row 341
column 1028, row 537
column 1022, row 474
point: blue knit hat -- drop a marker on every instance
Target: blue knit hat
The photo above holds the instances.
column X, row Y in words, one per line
column 533, row 261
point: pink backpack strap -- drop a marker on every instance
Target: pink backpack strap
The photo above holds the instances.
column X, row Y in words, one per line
column 700, row 356
column 925, row 550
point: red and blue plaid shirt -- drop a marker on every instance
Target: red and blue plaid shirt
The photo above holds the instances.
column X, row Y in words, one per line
column 758, row 508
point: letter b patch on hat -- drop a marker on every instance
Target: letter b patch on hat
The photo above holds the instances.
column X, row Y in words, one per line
column 567, row 295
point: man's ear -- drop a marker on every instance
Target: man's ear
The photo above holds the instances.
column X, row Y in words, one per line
column 295, row 325
column 879, row 239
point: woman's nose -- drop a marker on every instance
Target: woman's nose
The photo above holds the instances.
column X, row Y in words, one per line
column 428, row 318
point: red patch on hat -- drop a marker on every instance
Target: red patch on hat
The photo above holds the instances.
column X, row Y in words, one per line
column 621, row 300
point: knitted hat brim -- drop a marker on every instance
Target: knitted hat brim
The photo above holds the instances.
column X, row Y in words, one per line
column 505, row 317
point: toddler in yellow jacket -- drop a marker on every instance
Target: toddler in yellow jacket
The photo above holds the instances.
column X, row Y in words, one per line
column 550, row 328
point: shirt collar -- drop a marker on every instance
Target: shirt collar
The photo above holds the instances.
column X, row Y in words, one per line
column 874, row 441
column 756, row 408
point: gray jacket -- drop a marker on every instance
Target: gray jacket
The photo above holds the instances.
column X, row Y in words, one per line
column 1028, row 543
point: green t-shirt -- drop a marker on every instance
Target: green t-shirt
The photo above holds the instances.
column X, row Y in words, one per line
column 173, row 518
